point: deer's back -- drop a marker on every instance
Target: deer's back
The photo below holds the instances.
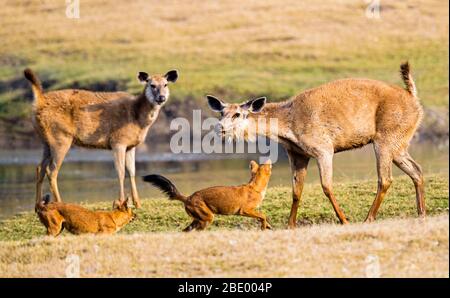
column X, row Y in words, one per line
column 91, row 118
column 350, row 113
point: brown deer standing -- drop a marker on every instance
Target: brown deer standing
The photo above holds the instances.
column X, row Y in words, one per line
column 337, row 116
column 114, row 121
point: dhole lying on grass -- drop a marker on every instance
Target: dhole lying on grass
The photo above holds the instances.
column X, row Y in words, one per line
column 56, row 216
column 226, row 200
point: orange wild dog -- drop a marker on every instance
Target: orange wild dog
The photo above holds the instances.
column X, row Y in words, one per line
column 115, row 121
column 226, row 200
column 56, row 216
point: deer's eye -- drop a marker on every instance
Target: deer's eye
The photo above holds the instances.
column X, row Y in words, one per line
column 237, row 115
column 153, row 86
column 165, row 85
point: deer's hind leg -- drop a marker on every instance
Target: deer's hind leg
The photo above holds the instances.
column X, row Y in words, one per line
column 408, row 165
column 384, row 169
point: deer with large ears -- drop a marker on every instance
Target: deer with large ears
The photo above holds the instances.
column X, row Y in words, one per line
column 115, row 121
column 337, row 116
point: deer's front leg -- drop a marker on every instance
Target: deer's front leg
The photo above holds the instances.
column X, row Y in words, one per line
column 119, row 163
column 130, row 161
column 299, row 165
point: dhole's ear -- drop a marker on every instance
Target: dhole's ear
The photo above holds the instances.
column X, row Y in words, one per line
column 142, row 77
column 118, row 204
column 254, row 166
column 254, row 105
column 215, row 104
column 171, row 75
column 125, row 204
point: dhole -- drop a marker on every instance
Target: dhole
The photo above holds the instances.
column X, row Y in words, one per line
column 56, row 216
column 225, row 200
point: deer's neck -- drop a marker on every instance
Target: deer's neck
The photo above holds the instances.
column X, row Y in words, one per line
column 271, row 122
column 145, row 112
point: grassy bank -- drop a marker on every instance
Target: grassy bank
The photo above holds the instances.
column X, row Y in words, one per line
column 355, row 198
column 388, row 248
column 231, row 48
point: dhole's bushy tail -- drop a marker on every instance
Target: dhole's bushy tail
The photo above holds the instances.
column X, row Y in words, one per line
column 165, row 186
column 36, row 85
column 405, row 71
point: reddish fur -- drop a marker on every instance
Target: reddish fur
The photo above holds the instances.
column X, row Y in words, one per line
column 226, row 200
column 56, row 216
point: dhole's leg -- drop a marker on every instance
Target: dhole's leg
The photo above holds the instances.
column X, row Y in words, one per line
column 130, row 158
column 57, row 157
column 325, row 162
column 258, row 215
column 299, row 165
column 408, row 165
column 40, row 173
column 384, row 170
column 119, row 163
column 54, row 224
column 203, row 224
column 206, row 218
column 192, row 226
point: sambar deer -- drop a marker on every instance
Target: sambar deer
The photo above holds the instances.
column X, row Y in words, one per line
column 115, row 121
column 337, row 116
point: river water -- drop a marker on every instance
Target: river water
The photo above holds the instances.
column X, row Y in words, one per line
column 89, row 175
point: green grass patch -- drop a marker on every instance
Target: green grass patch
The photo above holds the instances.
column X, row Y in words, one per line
column 355, row 198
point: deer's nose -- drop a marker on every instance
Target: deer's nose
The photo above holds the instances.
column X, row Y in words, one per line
column 161, row 98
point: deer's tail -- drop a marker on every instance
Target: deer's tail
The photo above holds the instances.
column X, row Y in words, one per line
column 165, row 186
column 36, row 85
column 405, row 71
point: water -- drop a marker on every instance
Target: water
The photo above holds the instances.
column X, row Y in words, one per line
column 89, row 176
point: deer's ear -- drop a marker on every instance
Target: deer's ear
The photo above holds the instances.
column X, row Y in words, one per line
column 254, row 166
column 171, row 75
column 254, row 105
column 215, row 104
column 142, row 77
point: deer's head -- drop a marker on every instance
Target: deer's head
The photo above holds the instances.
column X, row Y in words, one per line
column 234, row 118
column 156, row 86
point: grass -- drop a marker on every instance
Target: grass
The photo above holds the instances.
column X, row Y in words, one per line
column 397, row 245
column 390, row 248
column 355, row 198
column 229, row 48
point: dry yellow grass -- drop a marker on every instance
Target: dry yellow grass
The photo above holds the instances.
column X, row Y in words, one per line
column 391, row 248
column 270, row 47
